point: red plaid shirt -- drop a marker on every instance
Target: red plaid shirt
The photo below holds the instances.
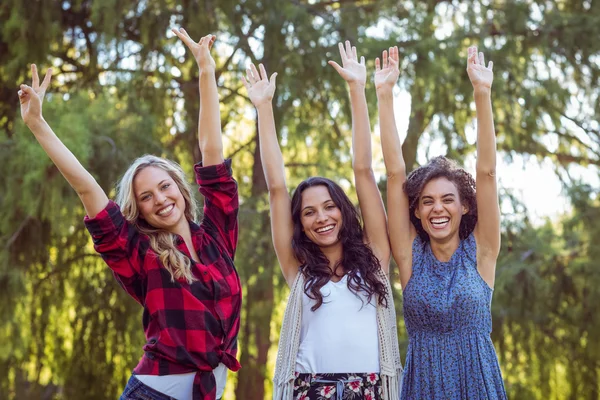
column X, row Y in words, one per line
column 189, row 328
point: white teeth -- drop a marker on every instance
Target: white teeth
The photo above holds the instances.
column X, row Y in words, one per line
column 166, row 210
column 440, row 220
column 325, row 228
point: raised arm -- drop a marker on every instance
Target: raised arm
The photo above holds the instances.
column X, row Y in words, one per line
column 209, row 120
column 261, row 90
column 487, row 230
column 369, row 198
column 91, row 194
column 401, row 230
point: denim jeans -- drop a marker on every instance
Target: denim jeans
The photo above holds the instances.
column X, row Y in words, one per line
column 136, row 390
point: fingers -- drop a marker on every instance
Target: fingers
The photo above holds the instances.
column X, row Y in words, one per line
column 337, row 67
column 491, row 65
column 263, row 72
column 255, row 74
column 342, row 52
column 250, row 76
column 377, row 65
column 208, row 40
column 35, row 78
column 245, row 82
column 27, row 91
column 354, row 55
column 349, row 52
column 273, row 78
column 183, row 35
column 394, row 54
column 362, row 60
column 46, row 81
column 23, row 96
column 385, row 59
column 472, row 55
column 481, row 59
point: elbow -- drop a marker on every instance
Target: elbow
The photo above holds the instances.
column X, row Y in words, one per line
column 486, row 171
column 396, row 173
column 276, row 189
column 362, row 168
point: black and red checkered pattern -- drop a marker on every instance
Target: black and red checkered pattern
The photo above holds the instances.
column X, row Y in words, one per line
column 189, row 328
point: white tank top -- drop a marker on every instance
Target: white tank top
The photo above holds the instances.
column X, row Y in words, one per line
column 341, row 335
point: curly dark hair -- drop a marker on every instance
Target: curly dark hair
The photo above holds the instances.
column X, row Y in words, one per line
column 358, row 260
column 442, row 167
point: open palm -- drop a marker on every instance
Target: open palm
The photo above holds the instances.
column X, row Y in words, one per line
column 31, row 97
column 260, row 88
column 480, row 76
column 351, row 70
column 386, row 70
column 200, row 49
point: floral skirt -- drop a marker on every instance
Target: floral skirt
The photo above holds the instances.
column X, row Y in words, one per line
column 364, row 386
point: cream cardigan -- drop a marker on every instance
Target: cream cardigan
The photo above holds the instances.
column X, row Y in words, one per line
column 289, row 342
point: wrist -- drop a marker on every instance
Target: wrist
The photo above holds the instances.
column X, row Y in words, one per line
column 356, row 86
column 35, row 123
column 481, row 91
column 384, row 93
column 208, row 71
column 264, row 106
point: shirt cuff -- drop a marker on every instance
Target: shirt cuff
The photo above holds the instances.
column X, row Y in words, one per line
column 108, row 218
column 213, row 173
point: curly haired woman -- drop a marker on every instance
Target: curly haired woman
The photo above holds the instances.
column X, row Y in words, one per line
column 445, row 237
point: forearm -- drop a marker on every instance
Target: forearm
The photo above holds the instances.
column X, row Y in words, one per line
column 209, row 120
column 486, row 136
column 91, row 194
column 390, row 142
column 361, row 130
column 270, row 153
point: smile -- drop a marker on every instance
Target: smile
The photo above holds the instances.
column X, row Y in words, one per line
column 325, row 229
column 166, row 210
column 440, row 222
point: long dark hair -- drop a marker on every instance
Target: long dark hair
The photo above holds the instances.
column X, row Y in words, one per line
column 358, row 260
column 442, row 167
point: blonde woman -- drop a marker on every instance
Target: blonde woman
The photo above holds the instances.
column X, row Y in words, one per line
column 181, row 272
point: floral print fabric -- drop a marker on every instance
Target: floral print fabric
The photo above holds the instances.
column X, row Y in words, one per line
column 363, row 386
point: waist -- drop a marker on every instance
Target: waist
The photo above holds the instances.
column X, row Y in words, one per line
column 180, row 360
column 447, row 332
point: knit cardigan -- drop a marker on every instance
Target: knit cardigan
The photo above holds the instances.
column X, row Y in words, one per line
column 289, row 342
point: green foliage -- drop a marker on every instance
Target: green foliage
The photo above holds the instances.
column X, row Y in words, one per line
column 124, row 87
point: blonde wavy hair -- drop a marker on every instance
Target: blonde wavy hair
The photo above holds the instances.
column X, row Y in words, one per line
column 161, row 241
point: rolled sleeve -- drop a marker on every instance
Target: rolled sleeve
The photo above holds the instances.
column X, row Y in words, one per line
column 221, row 203
column 117, row 241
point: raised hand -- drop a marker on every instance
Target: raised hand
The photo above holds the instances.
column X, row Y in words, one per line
column 200, row 50
column 260, row 88
column 387, row 71
column 352, row 71
column 480, row 76
column 31, row 97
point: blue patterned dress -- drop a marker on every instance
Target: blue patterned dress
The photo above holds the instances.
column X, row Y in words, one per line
column 448, row 319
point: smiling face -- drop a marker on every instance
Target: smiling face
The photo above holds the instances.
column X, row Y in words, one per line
column 440, row 209
column 159, row 199
column 321, row 218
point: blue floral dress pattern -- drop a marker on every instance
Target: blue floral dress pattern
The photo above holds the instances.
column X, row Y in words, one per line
column 449, row 322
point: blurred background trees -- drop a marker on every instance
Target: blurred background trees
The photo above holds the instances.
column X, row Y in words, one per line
column 123, row 86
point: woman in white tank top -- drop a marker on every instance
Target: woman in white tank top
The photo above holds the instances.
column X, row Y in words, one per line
column 338, row 339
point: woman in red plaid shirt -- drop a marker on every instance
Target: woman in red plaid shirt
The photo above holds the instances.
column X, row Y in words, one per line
column 181, row 272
